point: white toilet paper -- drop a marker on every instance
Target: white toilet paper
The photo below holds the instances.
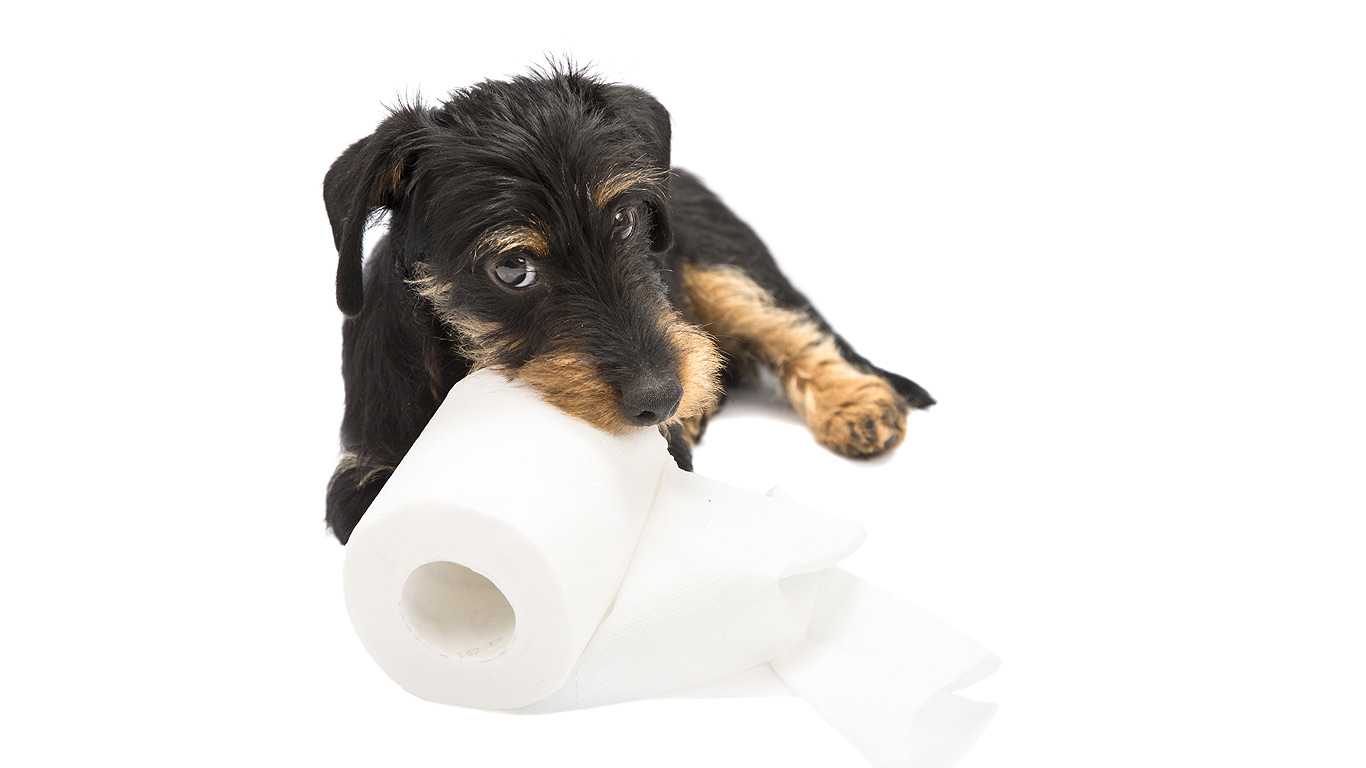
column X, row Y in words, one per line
column 518, row 559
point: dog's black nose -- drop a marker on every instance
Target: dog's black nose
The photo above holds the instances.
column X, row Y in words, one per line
column 651, row 399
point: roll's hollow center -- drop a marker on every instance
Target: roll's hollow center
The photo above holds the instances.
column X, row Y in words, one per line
column 457, row 612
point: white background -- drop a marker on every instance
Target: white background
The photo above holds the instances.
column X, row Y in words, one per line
column 1121, row 243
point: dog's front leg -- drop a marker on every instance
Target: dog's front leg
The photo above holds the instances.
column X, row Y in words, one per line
column 851, row 406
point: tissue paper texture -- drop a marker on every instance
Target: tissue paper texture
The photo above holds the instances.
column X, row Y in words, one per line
column 520, row 560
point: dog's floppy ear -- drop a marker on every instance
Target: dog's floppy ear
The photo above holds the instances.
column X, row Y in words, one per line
column 368, row 176
column 651, row 121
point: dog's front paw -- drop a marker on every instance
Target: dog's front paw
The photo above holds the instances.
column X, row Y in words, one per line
column 862, row 417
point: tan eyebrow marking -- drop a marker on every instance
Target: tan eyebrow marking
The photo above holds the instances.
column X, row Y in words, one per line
column 622, row 181
column 515, row 238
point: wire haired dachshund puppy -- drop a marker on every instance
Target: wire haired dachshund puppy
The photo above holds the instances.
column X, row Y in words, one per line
column 537, row 228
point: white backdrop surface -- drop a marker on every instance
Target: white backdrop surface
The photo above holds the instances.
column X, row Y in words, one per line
column 1121, row 243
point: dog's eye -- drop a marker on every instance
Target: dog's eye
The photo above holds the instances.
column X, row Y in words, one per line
column 624, row 222
column 515, row 272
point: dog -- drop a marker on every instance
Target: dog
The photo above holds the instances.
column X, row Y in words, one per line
column 536, row 227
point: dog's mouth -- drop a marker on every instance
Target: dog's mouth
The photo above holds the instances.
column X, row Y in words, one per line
column 574, row 382
column 572, row 377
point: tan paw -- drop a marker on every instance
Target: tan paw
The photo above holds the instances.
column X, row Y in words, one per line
column 860, row 417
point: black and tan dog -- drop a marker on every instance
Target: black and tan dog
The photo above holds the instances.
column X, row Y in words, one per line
column 537, row 228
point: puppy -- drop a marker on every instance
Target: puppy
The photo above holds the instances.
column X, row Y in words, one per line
column 536, row 227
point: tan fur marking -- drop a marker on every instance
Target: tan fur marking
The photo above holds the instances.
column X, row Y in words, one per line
column 848, row 411
column 699, row 370
column 477, row 339
column 515, row 238
column 699, row 367
column 571, row 383
column 622, row 181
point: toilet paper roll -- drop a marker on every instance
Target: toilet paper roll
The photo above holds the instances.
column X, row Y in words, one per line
column 494, row 550
column 520, row 560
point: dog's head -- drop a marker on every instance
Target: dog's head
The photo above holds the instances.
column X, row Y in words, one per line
column 531, row 218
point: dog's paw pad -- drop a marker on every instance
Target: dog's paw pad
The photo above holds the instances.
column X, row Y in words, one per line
column 865, row 421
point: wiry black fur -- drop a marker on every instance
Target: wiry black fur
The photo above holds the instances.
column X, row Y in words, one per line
column 500, row 154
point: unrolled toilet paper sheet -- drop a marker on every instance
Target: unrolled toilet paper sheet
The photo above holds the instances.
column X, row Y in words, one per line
column 520, row 560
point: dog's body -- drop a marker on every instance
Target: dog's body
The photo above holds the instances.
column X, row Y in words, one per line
column 537, row 228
